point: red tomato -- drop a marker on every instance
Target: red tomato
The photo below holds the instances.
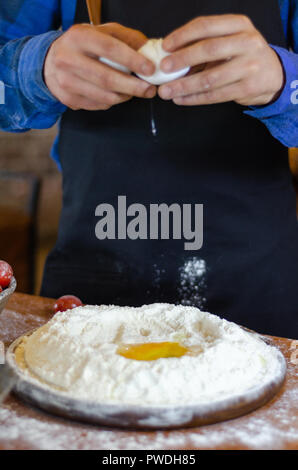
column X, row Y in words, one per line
column 1, row 289
column 6, row 274
column 67, row 302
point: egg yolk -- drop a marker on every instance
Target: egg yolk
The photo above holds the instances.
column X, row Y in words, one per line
column 151, row 351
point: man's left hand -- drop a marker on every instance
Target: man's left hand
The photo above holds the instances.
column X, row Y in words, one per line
column 236, row 63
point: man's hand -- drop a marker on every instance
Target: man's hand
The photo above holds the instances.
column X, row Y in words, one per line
column 239, row 65
column 76, row 77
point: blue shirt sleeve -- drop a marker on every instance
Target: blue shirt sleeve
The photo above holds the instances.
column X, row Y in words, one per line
column 281, row 116
column 24, row 42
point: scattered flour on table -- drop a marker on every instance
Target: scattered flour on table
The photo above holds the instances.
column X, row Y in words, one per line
column 77, row 352
column 270, row 428
column 14, row 324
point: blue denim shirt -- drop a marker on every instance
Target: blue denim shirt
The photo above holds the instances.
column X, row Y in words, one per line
column 28, row 28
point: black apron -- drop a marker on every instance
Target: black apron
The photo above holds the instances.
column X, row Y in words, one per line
column 247, row 269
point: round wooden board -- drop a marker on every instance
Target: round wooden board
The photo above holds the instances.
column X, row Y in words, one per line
column 140, row 417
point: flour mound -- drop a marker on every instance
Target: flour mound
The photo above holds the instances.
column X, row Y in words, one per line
column 76, row 353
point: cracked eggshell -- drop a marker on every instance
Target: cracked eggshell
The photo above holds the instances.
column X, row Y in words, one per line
column 154, row 51
column 115, row 65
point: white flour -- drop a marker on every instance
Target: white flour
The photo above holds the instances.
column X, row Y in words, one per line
column 273, row 427
column 193, row 282
column 76, row 351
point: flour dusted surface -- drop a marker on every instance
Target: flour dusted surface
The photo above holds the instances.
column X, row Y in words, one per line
column 76, row 352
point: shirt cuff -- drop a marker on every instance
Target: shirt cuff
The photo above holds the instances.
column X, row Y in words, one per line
column 283, row 104
column 30, row 73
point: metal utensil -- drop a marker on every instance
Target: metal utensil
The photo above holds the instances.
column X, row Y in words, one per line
column 7, row 381
column 94, row 11
column 7, row 293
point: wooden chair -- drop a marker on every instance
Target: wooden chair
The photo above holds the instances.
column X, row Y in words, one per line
column 18, row 207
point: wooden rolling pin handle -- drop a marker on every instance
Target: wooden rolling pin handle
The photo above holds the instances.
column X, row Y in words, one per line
column 94, row 10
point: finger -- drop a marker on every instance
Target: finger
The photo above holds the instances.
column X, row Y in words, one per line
column 83, row 89
column 106, row 78
column 132, row 37
column 81, row 102
column 205, row 51
column 198, row 68
column 213, row 78
column 76, row 102
column 206, row 27
column 254, row 100
column 95, row 42
column 232, row 92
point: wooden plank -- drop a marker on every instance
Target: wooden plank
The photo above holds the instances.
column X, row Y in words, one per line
column 274, row 426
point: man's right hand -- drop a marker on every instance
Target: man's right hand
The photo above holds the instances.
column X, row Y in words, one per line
column 76, row 77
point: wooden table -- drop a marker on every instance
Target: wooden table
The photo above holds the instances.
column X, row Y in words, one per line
column 274, row 426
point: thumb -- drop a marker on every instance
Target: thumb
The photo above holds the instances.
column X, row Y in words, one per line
column 132, row 37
